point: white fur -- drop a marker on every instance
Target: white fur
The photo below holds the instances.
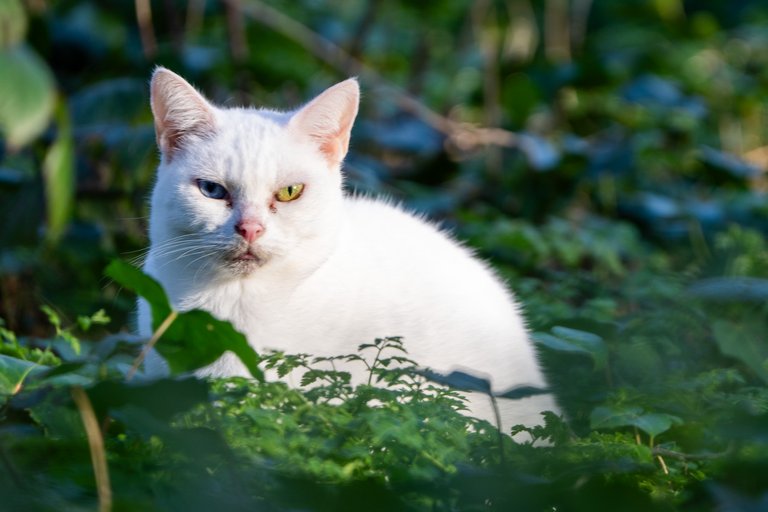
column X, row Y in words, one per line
column 338, row 271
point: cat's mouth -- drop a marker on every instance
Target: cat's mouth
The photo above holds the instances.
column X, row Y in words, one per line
column 245, row 261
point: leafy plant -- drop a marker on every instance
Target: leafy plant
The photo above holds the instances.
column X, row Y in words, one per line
column 607, row 157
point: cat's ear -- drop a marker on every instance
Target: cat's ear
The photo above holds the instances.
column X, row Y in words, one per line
column 328, row 119
column 180, row 112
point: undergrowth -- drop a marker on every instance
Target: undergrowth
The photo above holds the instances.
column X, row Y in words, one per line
column 665, row 403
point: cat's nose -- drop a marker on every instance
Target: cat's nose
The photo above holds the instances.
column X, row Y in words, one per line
column 249, row 229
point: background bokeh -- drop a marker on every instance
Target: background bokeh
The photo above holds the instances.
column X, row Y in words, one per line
column 609, row 158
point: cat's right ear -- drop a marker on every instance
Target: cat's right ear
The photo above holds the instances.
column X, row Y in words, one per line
column 180, row 112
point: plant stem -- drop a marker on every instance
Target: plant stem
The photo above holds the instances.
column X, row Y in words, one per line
column 151, row 343
column 96, row 446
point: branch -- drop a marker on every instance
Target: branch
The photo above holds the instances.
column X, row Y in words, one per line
column 463, row 136
column 147, row 33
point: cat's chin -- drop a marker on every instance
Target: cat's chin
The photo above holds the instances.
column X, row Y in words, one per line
column 246, row 262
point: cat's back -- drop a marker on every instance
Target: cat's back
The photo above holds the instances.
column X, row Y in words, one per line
column 405, row 246
column 394, row 237
column 403, row 276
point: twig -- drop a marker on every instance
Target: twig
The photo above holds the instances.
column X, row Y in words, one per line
column 236, row 30
column 363, row 27
column 488, row 40
column 463, row 136
column 96, row 446
column 663, row 464
column 557, row 31
column 146, row 31
column 151, row 343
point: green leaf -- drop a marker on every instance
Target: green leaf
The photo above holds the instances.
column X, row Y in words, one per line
column 653, row 423
column 744, row 341
column 26, row 95
column 613, row 417
column 144, row 286
column 53, row 316
column 566, row 339
column 195, row 338
column 59, row 176
column 98, row 318
column 13, row 372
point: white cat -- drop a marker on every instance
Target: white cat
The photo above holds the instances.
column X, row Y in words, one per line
column 249, row 222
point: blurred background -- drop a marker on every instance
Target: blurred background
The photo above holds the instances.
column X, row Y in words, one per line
column 609, row 158
column 577, row 143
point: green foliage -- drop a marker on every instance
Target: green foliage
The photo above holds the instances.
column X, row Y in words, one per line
column 191, row 339
column 397, row 437
column 625, row 205
column 28, row 99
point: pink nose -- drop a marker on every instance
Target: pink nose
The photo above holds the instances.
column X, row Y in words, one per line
column 249, row 229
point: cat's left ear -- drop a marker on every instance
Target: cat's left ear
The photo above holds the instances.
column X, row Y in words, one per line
column 328, row 119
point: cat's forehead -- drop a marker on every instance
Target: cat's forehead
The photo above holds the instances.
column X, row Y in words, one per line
column 251, row 147
column 248, row 124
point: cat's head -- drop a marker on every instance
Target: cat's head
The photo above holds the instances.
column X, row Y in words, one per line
column 240, row 188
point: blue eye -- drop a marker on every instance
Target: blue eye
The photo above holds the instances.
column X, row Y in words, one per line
column 212, row 189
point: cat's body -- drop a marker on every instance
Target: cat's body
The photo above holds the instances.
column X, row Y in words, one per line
column 249, row 222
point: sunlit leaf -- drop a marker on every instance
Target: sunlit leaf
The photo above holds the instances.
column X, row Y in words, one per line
column 196, row 339
column 13, row 372
column 59, row 176
column 27, row 95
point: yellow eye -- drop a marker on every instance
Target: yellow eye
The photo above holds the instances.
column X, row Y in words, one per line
column 289, row 193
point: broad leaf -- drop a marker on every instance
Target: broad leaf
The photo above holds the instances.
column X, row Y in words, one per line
column 59, row 176
column 195, row 338
column 652, row 423
column 13, row 23
column 746, row 342
column 13, row 372
column 144, row 286
column 566, row 339
column 26, row 95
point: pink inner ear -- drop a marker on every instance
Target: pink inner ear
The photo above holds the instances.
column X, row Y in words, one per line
column 179, row 112
column 328, row 120
column 335, row 149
